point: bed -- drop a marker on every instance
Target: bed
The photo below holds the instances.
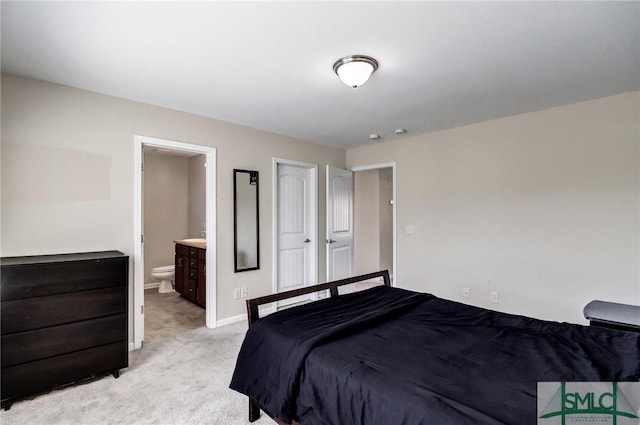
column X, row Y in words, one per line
column 385, row 356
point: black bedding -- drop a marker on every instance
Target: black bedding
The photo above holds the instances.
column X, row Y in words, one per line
column 389, row 356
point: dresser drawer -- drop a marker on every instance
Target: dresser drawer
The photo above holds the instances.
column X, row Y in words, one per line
column 44, row 374
column 42, row 312
column 27, row 346
column 28, row 280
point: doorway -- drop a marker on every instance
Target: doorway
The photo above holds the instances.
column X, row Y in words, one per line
column 174, row 208
column 375, row 219
column 209, row 153
column 295, row 226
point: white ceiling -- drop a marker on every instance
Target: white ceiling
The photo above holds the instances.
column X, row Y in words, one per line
column 268, row 65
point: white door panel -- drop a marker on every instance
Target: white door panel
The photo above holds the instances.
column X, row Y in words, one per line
column 339, row 223
column 291, row 268
column 296, row 229
column 341, row 259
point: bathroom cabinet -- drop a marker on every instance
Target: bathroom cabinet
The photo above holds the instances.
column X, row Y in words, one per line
column 190, row 279
column 64, row 319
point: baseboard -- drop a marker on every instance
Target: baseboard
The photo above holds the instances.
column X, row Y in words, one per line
column 151, row 285
column 231, row 320
column 242, row 317
column 265, row 311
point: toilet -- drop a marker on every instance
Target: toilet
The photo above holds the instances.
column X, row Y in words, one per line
column 164, row 275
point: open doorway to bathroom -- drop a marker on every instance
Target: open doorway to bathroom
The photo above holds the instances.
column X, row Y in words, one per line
column 375, row 219
column 174, row 200
column 174, row 209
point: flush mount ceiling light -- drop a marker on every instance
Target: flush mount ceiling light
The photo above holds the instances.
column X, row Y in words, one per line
column 355, row 70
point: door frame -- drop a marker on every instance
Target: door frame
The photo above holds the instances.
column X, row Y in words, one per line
column 210, row 219
column 314, row 211
column 392, row 165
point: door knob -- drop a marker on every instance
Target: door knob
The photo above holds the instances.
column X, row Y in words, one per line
column 307, row 240
column 330, row 241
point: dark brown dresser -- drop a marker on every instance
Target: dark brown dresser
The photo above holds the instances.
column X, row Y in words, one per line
column 64, row 319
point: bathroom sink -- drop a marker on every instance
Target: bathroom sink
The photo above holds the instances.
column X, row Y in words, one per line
column 201, row 240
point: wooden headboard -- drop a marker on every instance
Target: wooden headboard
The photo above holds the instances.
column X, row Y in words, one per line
column 252, row 304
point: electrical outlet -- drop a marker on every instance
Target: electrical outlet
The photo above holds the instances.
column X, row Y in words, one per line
column 495, row 297
column 466, row 292
column 243, row 292
column 237, row 294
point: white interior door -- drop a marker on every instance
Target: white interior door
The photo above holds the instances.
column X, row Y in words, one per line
column 339, row 223
column 296, row 228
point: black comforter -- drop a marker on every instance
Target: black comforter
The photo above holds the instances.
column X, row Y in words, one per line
column 389, row 356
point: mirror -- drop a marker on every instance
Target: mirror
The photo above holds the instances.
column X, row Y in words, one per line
column 245, row 220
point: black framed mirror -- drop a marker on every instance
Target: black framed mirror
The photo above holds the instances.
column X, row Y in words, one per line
column 246, row 221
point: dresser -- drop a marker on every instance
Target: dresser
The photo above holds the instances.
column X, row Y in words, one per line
column 64, row 319
column 191, row 277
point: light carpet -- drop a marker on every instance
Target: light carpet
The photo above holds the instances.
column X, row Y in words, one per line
column 169, row 314
column 183, row 379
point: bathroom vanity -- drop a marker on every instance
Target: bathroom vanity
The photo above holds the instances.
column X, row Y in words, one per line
column 191, row 277
column 64, row 319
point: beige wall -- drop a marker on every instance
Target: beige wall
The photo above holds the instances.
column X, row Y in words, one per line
column 197, row 196
column 386, row 219
column 542, row 207
column 373, row 221
column 174, row 205
column 166, row 188
column 366, row 234
column 68, row 175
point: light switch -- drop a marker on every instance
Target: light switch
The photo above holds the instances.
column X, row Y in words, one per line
column 409, row 229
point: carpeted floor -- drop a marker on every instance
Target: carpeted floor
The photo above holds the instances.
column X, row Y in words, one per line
column 181, row 379
column 169, row 314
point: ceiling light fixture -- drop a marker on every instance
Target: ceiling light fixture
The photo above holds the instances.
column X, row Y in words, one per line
column 355, row 70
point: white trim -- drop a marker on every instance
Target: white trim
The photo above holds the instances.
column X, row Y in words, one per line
column 392, row 165
column 314, row 207
column 274, row 226
column 132, row 346
column 138, row 269
column 265, row 311
column 243, row 317
column 210, row 220
column 231, row 320
column 326, row 222
column 151, row 285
